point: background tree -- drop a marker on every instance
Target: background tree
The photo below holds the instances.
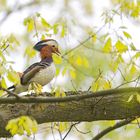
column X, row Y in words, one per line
column 99, row 52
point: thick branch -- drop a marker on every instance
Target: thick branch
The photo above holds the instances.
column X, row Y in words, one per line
column 76, row 106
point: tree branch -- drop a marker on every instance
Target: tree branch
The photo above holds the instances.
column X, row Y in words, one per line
column 111, row 128
column 102, row 105
column 75, row 96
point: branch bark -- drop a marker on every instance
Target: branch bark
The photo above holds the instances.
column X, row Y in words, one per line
column 76, row 106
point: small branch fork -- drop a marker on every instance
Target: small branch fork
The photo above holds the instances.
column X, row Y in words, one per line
column 70, row 129
column 111, row 128
column 10, row 93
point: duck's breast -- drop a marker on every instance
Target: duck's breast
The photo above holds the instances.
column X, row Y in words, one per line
column 44, row 76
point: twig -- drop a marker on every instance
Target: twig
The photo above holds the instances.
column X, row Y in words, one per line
column 60, row 134
column 10, row 92
column 138, row 123
column 121, row 74
column 100, row 73
column 5, row 48
column 36, row 32
column 83, row 42
column 127, row 83
column 88, row 38
column 70, row 129
column 9, row 12
column 81, row 131
column 111, row 128
column 73, row 85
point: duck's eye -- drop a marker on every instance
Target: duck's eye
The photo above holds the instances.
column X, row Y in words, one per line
column 53, row 45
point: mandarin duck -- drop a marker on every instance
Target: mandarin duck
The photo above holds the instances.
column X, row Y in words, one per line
column 41, row 72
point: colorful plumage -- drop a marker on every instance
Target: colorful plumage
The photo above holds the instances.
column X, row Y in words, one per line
column 41, row 72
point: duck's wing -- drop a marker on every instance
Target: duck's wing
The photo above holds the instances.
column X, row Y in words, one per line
column 31, row 71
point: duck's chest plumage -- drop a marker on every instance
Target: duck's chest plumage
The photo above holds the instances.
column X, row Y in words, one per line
column 45, row 75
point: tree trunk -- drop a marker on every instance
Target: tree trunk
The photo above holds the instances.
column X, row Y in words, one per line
column 76, row 106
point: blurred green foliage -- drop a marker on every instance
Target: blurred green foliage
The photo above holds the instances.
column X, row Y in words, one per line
column 107, row 59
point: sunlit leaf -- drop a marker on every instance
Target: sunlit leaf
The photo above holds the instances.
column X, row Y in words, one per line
column 55, row 28
column 78, row 61
column 64, row 71
column 94, row 38
column 21, row 125
column 30, row 52
column 137, row 55
column 2, row 70
column 132, row 47
column 127, row 35
column 114, row 66
column 95, row 86
column 3, row 83
column 29, row 22
column 85, row 62
column 13, row 77
column 138, row 98
column 130, row 98
column 133, row 69
column 45, row 23
column 73, row 74
column 13, row 39
column 108, row 46
column 62, row 126
column 1, row 92
column 63, row 31
column 121, row 47
column 57, row 59
column 107, row 85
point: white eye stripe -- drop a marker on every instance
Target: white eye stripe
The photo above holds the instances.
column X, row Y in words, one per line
column 51, row 43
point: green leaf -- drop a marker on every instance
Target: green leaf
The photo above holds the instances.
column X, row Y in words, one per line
column 108, row 46
column 45, row 23
column 138, row 98
column 63, row 31
column 30, row 26
column 30, row 52
column 107, row 85
column 85, row 62
column 36, row 87
column 72, row 74
column 3, row 83
column 130, row 98
column 1, row 92
column 12, row 39
column 57, row 59
column 55, row 28
column 137, row 55
column 114, row 66
column 2, row 70
column 62, row 126
column 133, row 48
column 127, row 35
column 133, row 69
column 95, row 86
column 64, row 71
column 94, row 38
column 22, row 124
column 121, row 47
column 78, row 61
column 13, row 77
column 29, row 22
column 38, row 14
